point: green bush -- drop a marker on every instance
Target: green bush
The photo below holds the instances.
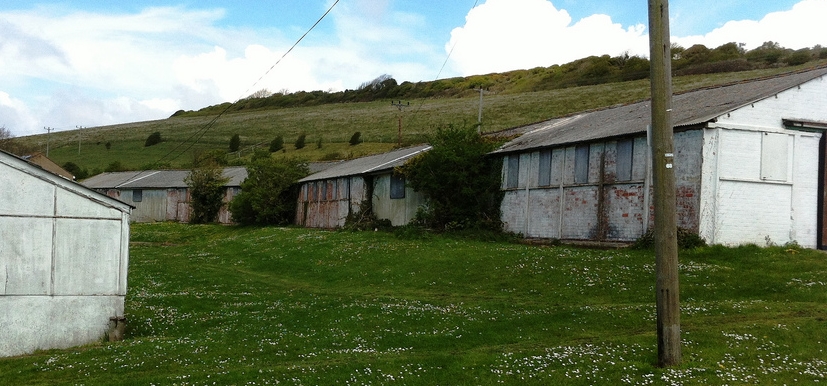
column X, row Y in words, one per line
column 235, row 143
column 356, row 138
column 277, row 144
column 268, row 195
column 460, row 181
column 300, row 141
column 206, row 183
column 153, row 139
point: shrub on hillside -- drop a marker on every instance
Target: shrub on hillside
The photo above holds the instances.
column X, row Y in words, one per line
column 300, row 141
column 153, row 139
column 277, row 144
column 356, row 138
column 235, row 143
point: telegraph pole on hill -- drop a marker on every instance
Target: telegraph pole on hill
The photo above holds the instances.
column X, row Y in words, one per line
column 663, row 173
column 48, row 137
column 400, row 106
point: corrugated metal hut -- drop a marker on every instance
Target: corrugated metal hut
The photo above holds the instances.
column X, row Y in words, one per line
column 327, row 198
column 64, row 251
column 749, row 167
column 161, row 195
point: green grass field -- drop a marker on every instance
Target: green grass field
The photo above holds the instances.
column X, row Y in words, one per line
column 264, row 306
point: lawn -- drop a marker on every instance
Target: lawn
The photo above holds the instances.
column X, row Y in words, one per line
column 264, row 306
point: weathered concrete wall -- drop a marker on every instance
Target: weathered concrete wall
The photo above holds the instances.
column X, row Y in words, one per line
column 598, row 205
column 63, row 262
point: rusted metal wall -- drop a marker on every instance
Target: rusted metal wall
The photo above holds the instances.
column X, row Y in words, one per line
column 597, row 205
column 327, row 203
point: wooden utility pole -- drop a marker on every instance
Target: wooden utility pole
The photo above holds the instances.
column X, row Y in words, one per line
column 48, row 137
column 663, row 173
column 400, row 106
column 80, row 132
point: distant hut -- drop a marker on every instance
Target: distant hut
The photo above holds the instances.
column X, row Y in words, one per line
column 327, row 198
column 162, row 195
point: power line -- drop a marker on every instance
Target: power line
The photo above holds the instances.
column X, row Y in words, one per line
column 194, row 138
column 444, row 63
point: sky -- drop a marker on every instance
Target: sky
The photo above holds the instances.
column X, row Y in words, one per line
column 86, row 63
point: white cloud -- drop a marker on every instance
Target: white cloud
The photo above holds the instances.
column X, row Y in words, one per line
column 801, row 27
column 504, row 35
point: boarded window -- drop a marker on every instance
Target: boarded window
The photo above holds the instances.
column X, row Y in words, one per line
column 397, row 187
column 545, row 168
column 774, row 148
column 625, row 152
column 137, row 195
column 513, row 176
column 334, row 191
column 581, row 164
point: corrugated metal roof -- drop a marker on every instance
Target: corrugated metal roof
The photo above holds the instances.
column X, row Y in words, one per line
column 690, row 108
column 369, row 164
column 156, row 179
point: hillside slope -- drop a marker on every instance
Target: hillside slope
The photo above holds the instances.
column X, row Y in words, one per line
column 329, row 127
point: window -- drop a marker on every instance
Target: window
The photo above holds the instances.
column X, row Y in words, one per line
column 137, row 195
column 545, row 168
column 625, row 155
column 774, row 148
column 397, row 186
column 581, row 164
column 513, row 177
column 323, row 196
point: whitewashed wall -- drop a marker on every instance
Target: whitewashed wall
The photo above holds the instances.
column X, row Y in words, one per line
column 760, row 180
column 64, row 253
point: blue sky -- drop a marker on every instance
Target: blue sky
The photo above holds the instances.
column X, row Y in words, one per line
column 89, row 63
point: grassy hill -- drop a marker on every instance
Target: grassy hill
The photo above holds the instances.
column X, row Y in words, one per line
column 264, row 306
column 98, row 148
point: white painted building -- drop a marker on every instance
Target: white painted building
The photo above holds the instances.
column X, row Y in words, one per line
column 64, row 251
column 749, row 167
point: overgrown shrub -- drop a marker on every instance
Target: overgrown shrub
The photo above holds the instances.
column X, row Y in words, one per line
column 206, row 183
column 460, row 181
column 686, row 240
column 153, row 139
column 268, row 195
column 365, row 220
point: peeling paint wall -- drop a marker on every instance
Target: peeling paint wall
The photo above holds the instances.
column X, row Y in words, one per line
column 605, row 189
column 327, row 203
column 168, row 204
column 399, row 211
